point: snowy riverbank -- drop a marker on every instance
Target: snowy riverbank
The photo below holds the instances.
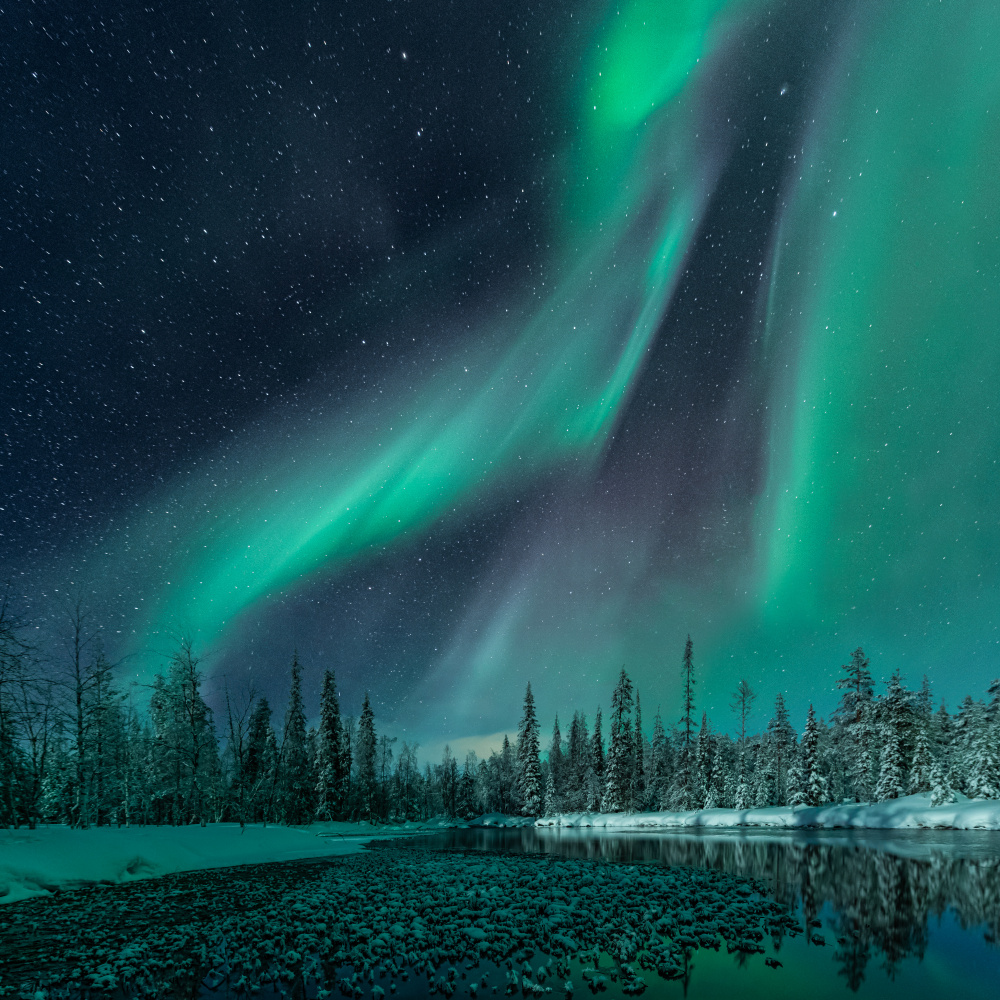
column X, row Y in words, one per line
column 37, row 862
column 912, row 812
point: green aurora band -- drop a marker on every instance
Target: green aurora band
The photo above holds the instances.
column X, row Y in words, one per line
column 879, row 340
column 552, row 397
column 881, row 516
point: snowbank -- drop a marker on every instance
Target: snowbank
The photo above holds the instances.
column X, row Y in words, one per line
column 36, row 862
column 502, row 821
column 912, row 812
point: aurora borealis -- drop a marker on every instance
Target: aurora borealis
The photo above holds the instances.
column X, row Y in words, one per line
column 602, row 325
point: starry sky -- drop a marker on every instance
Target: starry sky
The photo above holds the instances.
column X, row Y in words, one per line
column 458, row 346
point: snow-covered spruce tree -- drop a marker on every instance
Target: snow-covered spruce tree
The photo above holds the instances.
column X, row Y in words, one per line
column 896, row 711
column 814, row 790
column 577, row 764
column 555, row 769
column 548, row 806
column 683, row 793
column 855, row 734
column 508, row 797
column 447, row 778
column 961, row 747
column 742, row 798
column 639, row 753
column 891, row 775
column 659, row 764
column 407, row 783
column 364, row 757
column 726, row 770
column 467, row 787
column 862, row 750
column 762, row 782
column 940, row 733
column 618, row 768
column 983, row 764
column 529, row 775
column 296, row 789
column 329, row 753
column 922, row 762
column 779, row 751
column 703, row 762
column 597, row 764
column 261, row 764
column 942, row 792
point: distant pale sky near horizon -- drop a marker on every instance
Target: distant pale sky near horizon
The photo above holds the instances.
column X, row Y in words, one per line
column 460, row 347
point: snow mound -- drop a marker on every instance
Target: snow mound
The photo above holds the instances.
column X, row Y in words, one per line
column 502, row 821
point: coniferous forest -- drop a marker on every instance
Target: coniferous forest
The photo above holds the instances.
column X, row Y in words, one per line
column 78, row 748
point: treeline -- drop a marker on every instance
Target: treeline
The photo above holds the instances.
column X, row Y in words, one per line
column 75, row 749
column 874, row 747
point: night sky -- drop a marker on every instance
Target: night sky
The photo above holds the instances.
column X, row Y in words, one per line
column 462, row 345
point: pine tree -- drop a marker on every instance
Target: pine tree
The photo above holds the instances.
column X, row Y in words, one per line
column 942, row 792
column 329, row 753
column 297, row 792
column 449, row 780
column 983, row 765
column 658, row 764
column 467, row 787
column 891, row 772
column 528, row 766
column 857, row 687
column 638, row 791
column 813, row 782
column 855, row 721
column 618, row 776
column 507, row 795
column 597, row 761
column 683, row 793
column 861, row 750
column 555, row 770
column 922, row 763
column 261, row 763
column 364, row 756
column 742, row 799
column 577, row 765
column 549, row 804
column 704, row 762
column 895, row 712
column 780, row 750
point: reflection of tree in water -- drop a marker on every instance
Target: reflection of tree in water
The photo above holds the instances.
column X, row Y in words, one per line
column 882, row 901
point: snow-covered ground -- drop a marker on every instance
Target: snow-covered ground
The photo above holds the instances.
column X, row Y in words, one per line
column 35, row 862
column 912, row 812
